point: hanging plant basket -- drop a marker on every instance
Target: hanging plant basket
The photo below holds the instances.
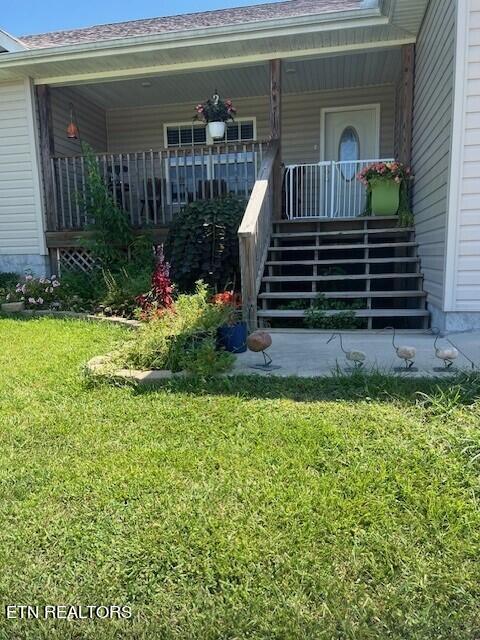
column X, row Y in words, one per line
column 216, row 130
column 215, row 112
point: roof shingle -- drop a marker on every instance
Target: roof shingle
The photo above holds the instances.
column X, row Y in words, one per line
column 189, row 21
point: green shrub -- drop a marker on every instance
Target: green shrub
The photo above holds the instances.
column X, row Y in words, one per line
column 182, row 338
column 8, row 281
column 82, row 291
column 202, row 243
column 110, row 236
column 109, row 292
column 204, row 359
column 122, row 290
column 316, row 318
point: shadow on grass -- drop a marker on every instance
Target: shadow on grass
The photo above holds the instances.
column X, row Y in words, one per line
column 446, row 393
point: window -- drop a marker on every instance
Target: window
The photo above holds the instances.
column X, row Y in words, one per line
column 349, row 152
column 182, row 135
column 242, row 130
column 189, row 173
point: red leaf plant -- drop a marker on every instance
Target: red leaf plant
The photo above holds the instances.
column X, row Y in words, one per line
column 159, row 299
column 229, row 299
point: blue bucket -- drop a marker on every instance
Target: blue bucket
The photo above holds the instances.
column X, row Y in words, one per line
column 233, row 338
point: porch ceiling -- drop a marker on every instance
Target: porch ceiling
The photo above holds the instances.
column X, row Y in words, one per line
column 340, row 72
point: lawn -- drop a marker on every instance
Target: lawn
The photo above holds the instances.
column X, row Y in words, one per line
column 237, row 508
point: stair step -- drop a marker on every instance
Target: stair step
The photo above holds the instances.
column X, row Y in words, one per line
column 272, row 263
column 374, row 276
column 359, row 313
column 342, row 247
column 311, row 295
column 353, row 232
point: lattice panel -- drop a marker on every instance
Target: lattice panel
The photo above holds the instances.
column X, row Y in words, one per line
column 74, row 258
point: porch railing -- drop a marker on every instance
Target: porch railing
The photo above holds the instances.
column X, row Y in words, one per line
column 151, row 186
column 256, row 228
column 325, row 189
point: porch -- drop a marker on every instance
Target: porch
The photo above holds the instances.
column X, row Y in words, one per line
column 305, row 128
column 154, row 159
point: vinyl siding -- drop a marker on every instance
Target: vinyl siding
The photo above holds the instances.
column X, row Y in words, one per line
column 301, row 119
column 90, row 119
column 139, row 129
column 467, row 286
column 432, row 128
column 21, row 221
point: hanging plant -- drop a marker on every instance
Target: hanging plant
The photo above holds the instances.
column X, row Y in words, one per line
column 215, row 113
column 215, row 110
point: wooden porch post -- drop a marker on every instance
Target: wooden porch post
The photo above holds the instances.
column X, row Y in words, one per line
column 406, row 114
column 47, row 150
column 276, row 131
column 275, row 98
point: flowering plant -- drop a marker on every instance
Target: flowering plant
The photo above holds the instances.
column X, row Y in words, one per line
column 160, row 297
column 384, row 171
column 215, row 110
column 229, row 299
column 35, row 292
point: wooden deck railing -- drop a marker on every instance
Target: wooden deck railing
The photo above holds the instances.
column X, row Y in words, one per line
column 256, row 228
column 151, row 186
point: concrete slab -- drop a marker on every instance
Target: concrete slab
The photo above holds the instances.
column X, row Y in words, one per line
column 307, row 354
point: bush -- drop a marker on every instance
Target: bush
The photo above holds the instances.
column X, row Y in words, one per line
column 182, row 338
column 202, row 243
column 8, row 281
column 316, row 318
column 110, row 238
column 122, row 291
column 36, row 293
column 109, row 292
column 82, row 291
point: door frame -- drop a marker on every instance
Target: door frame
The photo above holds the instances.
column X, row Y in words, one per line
column 359, row 107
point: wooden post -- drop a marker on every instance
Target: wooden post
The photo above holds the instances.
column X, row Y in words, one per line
column 406, row 115
column 275, row 98
column 276, row 131
column 47, row 150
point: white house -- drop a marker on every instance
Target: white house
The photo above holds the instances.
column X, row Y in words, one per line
column 321, row 87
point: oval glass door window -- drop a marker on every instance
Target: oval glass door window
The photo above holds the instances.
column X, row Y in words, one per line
column 349, row 152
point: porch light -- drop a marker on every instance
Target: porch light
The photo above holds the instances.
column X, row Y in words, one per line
column 72, row 129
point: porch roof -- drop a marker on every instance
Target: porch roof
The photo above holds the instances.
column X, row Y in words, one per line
column 186, row 22
column 294, row 29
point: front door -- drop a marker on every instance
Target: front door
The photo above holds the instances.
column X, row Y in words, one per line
column 350, row 138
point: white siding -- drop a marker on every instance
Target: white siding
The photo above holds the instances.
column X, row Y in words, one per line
column 21, row 221
column 464, row 250
column 90, row 119
column 432, row 128
column 138, row 129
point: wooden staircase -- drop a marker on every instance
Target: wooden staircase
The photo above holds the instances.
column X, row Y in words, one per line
column 369, row 261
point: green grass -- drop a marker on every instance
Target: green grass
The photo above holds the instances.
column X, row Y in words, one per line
column 236, row 508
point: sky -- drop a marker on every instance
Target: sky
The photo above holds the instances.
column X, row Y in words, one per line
column 23, row 17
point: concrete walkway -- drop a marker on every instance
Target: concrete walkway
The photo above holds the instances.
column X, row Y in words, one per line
column 306, row 353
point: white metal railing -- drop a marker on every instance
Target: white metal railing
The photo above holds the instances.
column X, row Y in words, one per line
column 325, row 189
